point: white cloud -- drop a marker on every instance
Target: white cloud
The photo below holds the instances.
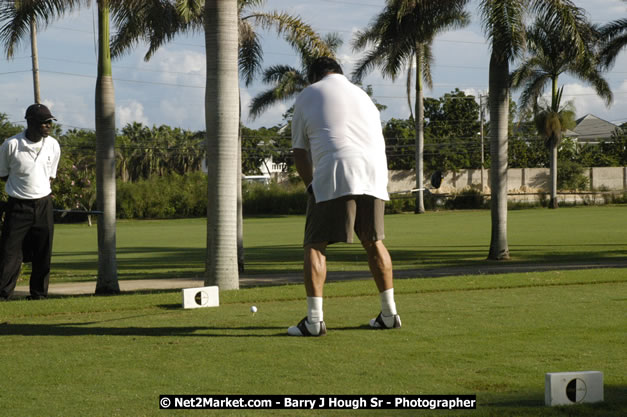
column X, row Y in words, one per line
column 586, row 101
column 182, row 66
column 131, row 112
column 187, row 111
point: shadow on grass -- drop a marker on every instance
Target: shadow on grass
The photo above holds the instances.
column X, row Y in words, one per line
column 85, row 329
column 168, row 262
column 532, row 404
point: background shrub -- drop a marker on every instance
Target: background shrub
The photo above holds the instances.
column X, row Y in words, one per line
column 273, row 198
column 171, row 196
column 467, row 199
column 570, row 176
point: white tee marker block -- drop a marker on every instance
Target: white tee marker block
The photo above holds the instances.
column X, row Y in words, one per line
column 565, row 388
column 201, row 297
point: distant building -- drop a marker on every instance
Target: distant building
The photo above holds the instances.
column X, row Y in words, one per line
column 270, row 168
column 590, row 129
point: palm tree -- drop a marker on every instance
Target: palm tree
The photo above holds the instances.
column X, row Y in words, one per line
column 503, row 22
column 551, row 120
column 157, row 22
column 222, row 119
column 401, row 33
column 107, row 282
column 552, row 54
column 18, row 16
column 613, row 40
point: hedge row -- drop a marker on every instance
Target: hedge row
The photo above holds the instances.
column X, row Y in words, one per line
column 177, row 196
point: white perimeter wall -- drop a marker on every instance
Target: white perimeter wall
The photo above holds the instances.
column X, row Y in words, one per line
column 520, row 180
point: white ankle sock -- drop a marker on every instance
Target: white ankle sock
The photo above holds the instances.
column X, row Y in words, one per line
column 388, row 306
column 314, row 310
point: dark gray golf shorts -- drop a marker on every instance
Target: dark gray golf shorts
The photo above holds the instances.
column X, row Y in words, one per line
column 335, row 220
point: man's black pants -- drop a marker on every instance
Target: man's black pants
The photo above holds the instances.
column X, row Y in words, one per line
column 27, row 230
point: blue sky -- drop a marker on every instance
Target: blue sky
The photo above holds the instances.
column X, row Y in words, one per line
column 170, row 88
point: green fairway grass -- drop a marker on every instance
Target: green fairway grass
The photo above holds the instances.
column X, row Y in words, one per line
column 176, row 248
column 491, row 336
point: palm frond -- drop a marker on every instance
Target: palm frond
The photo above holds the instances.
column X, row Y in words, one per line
column 613, row 40
column 152, row 21
column 250, row 52
column 533, row 88
column 503, row 22
column 427, row 53
column 296, row 32
column 288, row 82
column 17, row 16
column 565, row 17
column 275, row 73
column 365, row 65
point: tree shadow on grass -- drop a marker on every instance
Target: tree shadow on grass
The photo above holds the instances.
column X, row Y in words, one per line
column 84, row 329
column 532, row 404
column 168, row 262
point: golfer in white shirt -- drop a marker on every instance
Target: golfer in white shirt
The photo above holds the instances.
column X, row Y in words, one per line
column 28, row 161
column 339, row 152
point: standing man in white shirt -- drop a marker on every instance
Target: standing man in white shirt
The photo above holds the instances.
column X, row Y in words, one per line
column 28, row 161
column 339, row 152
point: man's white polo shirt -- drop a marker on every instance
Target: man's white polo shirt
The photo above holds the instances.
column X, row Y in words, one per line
column 341, row 127
column 29, row 166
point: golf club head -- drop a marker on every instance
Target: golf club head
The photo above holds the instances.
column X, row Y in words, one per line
column 436, row 179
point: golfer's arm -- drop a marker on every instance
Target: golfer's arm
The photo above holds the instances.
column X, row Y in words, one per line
column 303, row 165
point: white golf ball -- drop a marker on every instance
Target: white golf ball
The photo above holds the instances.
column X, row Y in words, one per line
column 253, row 309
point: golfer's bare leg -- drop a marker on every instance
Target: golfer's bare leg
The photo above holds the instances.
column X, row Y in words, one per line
column 380, row 264
column 315, row 268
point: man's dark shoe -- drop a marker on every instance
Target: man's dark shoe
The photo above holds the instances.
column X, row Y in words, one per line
column 304, row 328
column 36, row 297
column 386, row 322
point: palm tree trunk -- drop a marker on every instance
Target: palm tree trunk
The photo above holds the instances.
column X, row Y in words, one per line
column 553, row 203
column 554, row 145
column 420, row 132
column 221, row 115
column 35, row 59
column 240, row 211
column 107, row 282
column 499, row 115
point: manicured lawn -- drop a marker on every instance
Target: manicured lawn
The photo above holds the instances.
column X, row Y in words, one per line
column 491, row 336
column 175, row 248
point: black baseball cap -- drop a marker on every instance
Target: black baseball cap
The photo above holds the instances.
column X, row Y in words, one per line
column 39, row 113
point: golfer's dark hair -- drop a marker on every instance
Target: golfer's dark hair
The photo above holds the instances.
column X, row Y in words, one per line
column 321, row 67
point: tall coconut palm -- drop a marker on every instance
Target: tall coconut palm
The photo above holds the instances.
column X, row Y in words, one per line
column 503, row 22
column 17, row 16
column 401, row 33
column 551, row 120
column 107, row 282
column 222, row 120
column 550, row 55
column 613, row 40
column 157, row 22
